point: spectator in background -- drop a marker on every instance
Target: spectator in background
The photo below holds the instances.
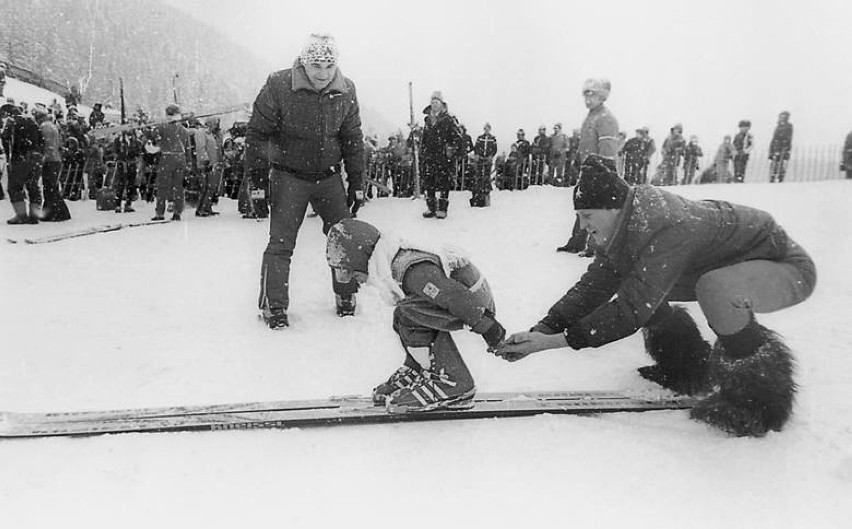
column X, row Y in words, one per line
column 54, row 208
column 846, row 164
column 599, row 137
column 484, row 151
column 173, row 140
column 619, row 157
column 672, row 152
column 127, row 150
column 572, row 167
column 440, row 144
column 635, row 160
column 96, row 117
column 691, row 154
column 540, row 153
column 2, row 78
column 743, row 143
column 779, row 147
column 212, row 177
column 722, row 161
column 558, row 156
column 23, row 144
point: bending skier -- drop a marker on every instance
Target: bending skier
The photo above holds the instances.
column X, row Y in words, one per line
column 435, row 291
column 656, row 247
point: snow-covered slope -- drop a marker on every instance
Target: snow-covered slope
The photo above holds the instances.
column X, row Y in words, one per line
column 166, row 315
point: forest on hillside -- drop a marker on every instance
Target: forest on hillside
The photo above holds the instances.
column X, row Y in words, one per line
column 158, row 51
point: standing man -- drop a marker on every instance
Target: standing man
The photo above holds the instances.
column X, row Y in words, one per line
column 522, row 148
column 173, row 140
column 558, row 156
column 657, row 247
column 23, row 144
column 441, row 140
column 779, row 147
column 54, row 208
column 306, row 120
column 672, row 152
column 846, row 164
column 540, row 152
column 484, row 151
column 598, row 136
column 743, row 143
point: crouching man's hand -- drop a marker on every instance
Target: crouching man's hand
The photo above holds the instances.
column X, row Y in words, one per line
column 522, row 344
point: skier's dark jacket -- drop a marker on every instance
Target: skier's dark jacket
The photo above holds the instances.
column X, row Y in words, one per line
column 663, row 244
column 782, row 139
column 295, row 126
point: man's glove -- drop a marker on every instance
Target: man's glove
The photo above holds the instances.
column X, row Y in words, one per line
column 355, row 195
column 494, row 336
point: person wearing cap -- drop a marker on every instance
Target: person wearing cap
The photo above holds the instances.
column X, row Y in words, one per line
column 672, row 152
column 23, row 145
column 436, row 290
column 558, row 156
column 484, row 151
column 635, row 159
column 54, row 208
column 441, row 143
column 691, row 154
column 522, row 150
column 173, row 140
column 743, row 143
column 306, row 121
column 540, row 153
column 779, row 147
column 598, row 136
column 656, row 248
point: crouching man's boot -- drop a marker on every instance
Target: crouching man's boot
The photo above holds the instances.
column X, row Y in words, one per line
column 753, row 388
column 21, row 216
column 444, row 382
column 672, row 339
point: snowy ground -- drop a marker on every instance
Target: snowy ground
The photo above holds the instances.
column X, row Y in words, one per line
column 166, row 315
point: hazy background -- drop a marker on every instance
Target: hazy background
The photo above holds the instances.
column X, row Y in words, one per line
column 520, row 64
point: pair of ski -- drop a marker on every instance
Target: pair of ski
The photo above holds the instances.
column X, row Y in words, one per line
column 328, row 412
column 87, row 231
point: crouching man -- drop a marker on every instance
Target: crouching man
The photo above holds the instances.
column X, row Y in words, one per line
column 436, row 291
column 657, row 247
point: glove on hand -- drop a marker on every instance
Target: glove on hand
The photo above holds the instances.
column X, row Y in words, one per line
column 494, row 336
column 354, row 198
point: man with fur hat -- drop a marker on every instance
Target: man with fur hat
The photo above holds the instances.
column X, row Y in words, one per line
column 436, row 291
column 306, row 121
column 656, row 248
column 440, row 145
column 598, row 136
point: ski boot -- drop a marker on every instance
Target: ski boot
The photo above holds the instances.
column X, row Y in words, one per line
column 401, row 378
column 432, row 391
column 345, row 305
column 275, row 319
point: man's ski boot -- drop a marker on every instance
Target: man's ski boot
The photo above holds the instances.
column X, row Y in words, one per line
column 432, row 391
column 401, row 378
column 345, row 305
column 275, row 319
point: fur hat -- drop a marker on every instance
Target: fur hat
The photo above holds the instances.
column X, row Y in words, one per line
column 599, row 85
column 319, row 48
column 437, row 95
column 350, row 244
column 172, row 110
column 599, row 186
column 744, row 123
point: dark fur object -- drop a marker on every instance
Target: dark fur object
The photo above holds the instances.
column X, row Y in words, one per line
column 675, row 343
column 754, row 394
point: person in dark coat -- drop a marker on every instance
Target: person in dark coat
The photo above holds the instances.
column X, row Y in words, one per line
column 306, row 121
column 846, row 164
column 634, row 157
column 173, row 139
column 779, row 148
column 656, row 248
column 743, row 143
column 435, row 291
column 540, row 153
column 54, row 208
column 440, row 145
column 691, row 154
column 23, row 145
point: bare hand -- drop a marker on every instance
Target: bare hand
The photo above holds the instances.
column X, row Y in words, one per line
column 522, row 344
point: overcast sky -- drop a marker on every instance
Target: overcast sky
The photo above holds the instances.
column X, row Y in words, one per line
column 521, row 63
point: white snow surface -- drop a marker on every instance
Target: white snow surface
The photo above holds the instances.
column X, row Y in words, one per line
column 165, row 315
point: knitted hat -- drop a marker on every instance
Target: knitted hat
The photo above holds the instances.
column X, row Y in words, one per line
column 599, row 186
column 350, row 244
column 319, row 48
column 600, row 85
